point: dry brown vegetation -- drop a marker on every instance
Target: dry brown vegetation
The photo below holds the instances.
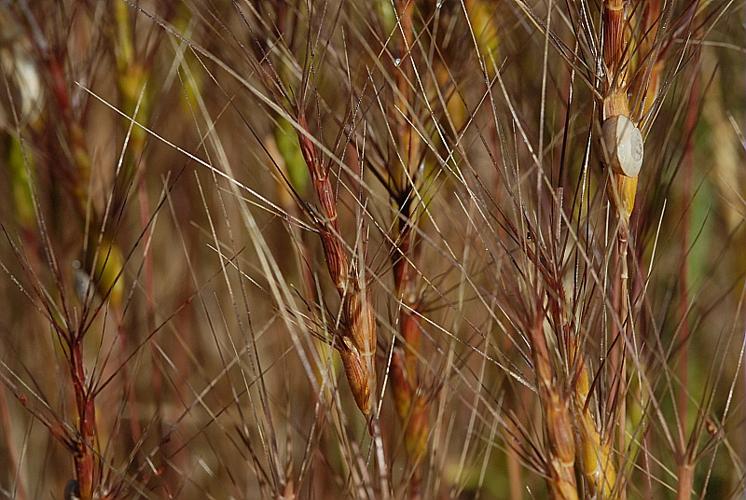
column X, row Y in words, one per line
column 372, row 249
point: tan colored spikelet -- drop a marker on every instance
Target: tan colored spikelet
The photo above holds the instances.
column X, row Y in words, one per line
column 594, row 452
column 595, row 458
column 336, row 259
column 360, row 340
column 357, row 346
column 357, row 375
column 562, row 446
column 362, row 323
column 557, row 420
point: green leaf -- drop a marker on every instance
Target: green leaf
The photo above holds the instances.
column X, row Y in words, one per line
column 289, row 147
column 20, row 180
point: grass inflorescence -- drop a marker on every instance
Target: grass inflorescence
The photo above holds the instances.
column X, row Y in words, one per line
column 372, row 249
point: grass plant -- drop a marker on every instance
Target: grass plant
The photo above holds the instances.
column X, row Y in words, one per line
column 372, row 249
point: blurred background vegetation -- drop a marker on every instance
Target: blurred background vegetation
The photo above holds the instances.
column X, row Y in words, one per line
column 169, row 327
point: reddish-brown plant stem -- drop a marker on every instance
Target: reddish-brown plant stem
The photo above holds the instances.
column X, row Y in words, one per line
column 614, row 37
column 86, row 463
column 685, row 480
column 405, row 11
column 515, row 482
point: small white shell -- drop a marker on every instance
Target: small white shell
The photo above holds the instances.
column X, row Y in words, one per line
column 624, row 145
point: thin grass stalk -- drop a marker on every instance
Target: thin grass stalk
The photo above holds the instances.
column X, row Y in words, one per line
column 19, row 491
column 685, row 466
column 515, row 482
column 618, row 353
column 685, row 480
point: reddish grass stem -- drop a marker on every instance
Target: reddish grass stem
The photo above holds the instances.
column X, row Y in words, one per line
column 86, row 463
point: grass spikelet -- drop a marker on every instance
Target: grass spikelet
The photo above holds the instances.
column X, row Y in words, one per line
column 358, row 342
column 560, row 461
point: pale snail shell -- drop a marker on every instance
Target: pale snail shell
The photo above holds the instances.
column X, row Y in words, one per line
column 624, row 145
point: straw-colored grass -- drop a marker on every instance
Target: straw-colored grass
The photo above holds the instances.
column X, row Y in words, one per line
column 371, row 249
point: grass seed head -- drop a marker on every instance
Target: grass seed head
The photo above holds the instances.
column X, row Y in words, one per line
column 357, row 375
column 360, row 334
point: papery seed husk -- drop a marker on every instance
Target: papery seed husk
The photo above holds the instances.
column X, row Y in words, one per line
column 357, row 375
column 362, row 323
